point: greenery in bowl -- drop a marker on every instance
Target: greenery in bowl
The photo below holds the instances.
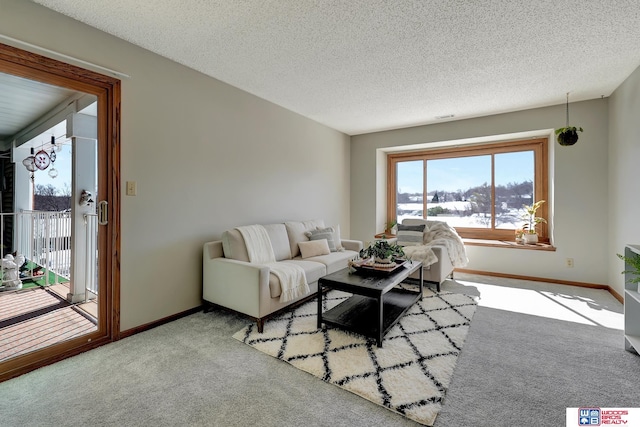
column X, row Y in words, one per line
column 568, row 135
column 568, row 129
column 634, row 262
column 382, row 249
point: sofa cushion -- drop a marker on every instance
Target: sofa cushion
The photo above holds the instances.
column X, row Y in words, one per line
column 410, row 235
column 335, row 260
column 296, row 230
column 320, row 234
column 336, row 237
column 279, row 241
column 314, row 248
column 312, row 271
column 233, row 246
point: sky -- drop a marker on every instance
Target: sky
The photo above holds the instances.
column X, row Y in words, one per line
column 62, row 165
column 465, row 172
column 63, row 158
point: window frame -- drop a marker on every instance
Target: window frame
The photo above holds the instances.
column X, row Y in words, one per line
column 539, row 146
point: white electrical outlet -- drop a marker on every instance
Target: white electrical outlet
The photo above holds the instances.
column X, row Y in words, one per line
column 569, row 262
column 132, row 188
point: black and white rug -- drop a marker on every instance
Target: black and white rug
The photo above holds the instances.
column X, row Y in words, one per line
column 409, row 374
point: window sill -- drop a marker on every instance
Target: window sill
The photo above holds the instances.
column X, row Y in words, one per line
column 508, row 244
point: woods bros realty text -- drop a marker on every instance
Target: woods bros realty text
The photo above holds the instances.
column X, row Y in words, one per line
column 603, row 416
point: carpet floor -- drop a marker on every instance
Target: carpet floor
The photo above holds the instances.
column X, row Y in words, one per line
column 409, row 374
column 533, row 349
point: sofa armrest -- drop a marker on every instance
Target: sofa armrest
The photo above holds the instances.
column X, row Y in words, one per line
column 352, row 245
column 237, row 285
column 212, row 250
column 440, row 270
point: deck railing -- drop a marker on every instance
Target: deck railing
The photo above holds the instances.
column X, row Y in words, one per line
column 44, row 238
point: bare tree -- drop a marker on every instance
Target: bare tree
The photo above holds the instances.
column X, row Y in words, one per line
column 45, row 190
column 66, row 190
column 46, row 198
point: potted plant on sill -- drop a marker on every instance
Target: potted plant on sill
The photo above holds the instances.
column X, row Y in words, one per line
column 530, row 234
column 391, row 227
column 383, row 252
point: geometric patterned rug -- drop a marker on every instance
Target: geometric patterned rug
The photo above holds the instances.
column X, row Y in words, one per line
column 408, row 375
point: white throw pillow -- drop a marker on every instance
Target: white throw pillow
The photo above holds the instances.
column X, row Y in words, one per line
column 314, row 248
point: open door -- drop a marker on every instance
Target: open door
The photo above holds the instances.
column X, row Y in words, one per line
column 94, row 242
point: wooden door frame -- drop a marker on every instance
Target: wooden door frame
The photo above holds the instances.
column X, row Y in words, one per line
column 32, row 66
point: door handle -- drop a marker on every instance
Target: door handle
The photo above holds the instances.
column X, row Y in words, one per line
column 103, row 212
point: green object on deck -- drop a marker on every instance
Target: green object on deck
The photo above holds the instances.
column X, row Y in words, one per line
column 32, row 282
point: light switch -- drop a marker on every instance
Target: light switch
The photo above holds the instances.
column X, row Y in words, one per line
column 132, row 188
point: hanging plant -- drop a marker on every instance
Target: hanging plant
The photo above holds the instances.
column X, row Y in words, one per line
column 568, row 135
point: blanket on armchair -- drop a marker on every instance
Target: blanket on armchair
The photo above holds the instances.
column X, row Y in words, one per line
column 439, row 234
column 292, row 278
column 421, row 253
column 443, row 234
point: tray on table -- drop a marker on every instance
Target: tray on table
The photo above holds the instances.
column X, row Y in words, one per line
column 364, row 267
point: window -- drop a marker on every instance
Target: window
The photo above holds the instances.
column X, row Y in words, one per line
column 478, row 189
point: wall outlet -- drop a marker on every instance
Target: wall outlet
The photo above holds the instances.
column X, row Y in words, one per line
column 132, row 188
column 569, row 262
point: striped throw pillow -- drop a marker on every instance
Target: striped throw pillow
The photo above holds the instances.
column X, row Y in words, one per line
column 323, row 234
column 410, row 235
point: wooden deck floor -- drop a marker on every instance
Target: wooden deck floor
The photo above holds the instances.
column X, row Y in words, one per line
column 35, row 318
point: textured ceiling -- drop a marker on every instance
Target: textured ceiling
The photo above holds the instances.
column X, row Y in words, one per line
column 360, row 66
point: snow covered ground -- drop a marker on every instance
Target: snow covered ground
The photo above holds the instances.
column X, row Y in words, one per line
column 510, row 219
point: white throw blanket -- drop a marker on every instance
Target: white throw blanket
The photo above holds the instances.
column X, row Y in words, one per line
column 292, row 278
column 443, row 234
column 440, row 234
column 420, row 253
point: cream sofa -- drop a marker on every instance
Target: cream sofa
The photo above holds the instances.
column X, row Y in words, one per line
column 232, row 282
column 446, row 245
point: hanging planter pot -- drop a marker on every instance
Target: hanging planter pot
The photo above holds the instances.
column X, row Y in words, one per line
column 568, row 135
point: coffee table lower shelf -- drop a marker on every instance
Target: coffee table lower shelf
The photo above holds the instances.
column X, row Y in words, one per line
column 360, row 314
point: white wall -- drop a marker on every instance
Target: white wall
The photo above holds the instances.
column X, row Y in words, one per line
column 624, row 159
column 578, row 188
column 206, row 157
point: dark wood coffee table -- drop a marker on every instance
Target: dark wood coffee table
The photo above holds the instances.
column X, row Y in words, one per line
column 376, row 305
